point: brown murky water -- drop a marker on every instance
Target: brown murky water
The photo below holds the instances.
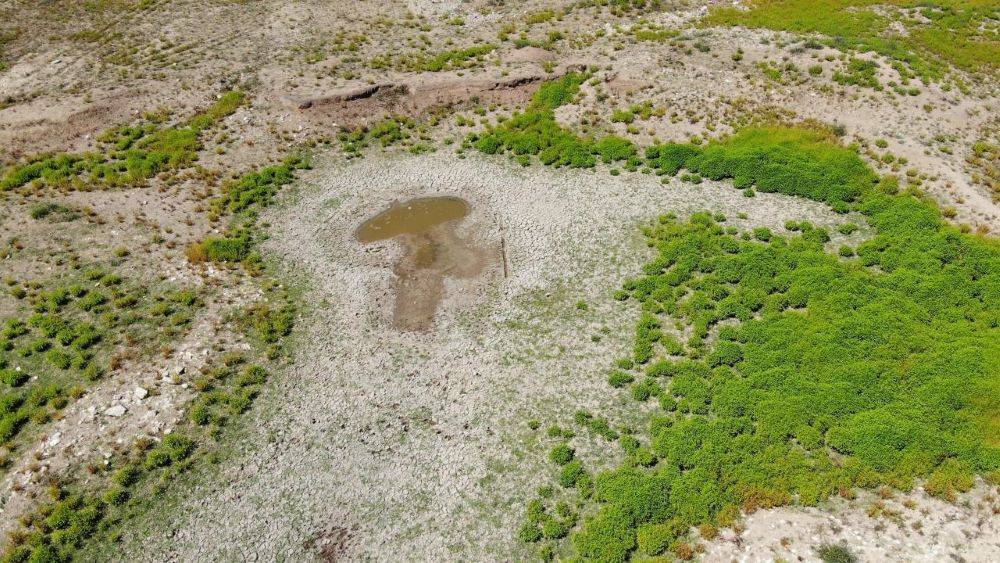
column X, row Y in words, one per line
column 432, row 251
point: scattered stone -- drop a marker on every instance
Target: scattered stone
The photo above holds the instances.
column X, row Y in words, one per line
column 116, row 411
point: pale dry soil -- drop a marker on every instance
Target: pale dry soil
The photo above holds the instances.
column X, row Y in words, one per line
column 913, row 527
column 389, row 445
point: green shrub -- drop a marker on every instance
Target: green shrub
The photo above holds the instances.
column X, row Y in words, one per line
column 654, row 539
column 252, row 375
column 607, row 536
column 127, row 476
column 571, row 473
column 620, row 378
column 835, row 553
column 725, row 353
column 561, row 454
column 58, row 359
column 13, row 377
column 174, row 448
column 762, row 234
column 613, row 148
column 226, row 248
column 949, row 479
column 116, row 496
column 529, row 533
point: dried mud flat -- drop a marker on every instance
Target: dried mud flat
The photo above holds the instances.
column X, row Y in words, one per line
column 394, row 445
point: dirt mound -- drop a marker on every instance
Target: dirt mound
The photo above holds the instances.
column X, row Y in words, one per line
column 358, row 105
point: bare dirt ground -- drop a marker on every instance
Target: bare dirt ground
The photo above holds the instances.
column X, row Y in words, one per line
column 397, row 445
column 910, row 527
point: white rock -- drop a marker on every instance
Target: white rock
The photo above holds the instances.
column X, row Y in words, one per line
column 141, row 393
column 117, row 410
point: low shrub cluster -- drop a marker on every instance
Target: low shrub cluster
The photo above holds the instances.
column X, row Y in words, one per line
column 947, row 32
column 133, row 154
column 243, row 199
column 802, row 161
column 800, row 373
column 67, row 333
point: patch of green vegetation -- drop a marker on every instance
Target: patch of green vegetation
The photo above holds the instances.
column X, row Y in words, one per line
column 454, row 59
column 859, row 72
column 835, row 553
column 535, row 132
column 243, row 199
column 653, row 32
column 806, row 374
column 457, row 58
column 52, row 211
column 386, row 132
column 800, row 161
column 784, row 73
column 961, row 33
column 133, row 154
column 69, row 332
column 641, row 111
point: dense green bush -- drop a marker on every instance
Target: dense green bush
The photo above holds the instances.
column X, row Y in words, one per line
column 837, row 373
column 835, row 553
column 792, row 161
column 561, row 454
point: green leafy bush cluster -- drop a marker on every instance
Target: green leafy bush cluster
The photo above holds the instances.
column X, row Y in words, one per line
column 453, row 59
column 66, row 335
column 859, row 72
column 535, row 131
column 133, row 154
column 541, row 524
column 797, row 161
column 244, row 199
column 385, row 132
column 457, row 58
column 806, row 374
column 947, row 32
column 226, row 392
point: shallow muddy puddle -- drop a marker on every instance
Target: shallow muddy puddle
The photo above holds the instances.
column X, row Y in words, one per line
column 433, row 250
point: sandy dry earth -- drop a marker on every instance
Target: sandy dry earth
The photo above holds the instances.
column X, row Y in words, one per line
column 912, row 527
column 387, row 445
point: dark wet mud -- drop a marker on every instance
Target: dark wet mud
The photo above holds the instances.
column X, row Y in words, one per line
column 433, row 251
